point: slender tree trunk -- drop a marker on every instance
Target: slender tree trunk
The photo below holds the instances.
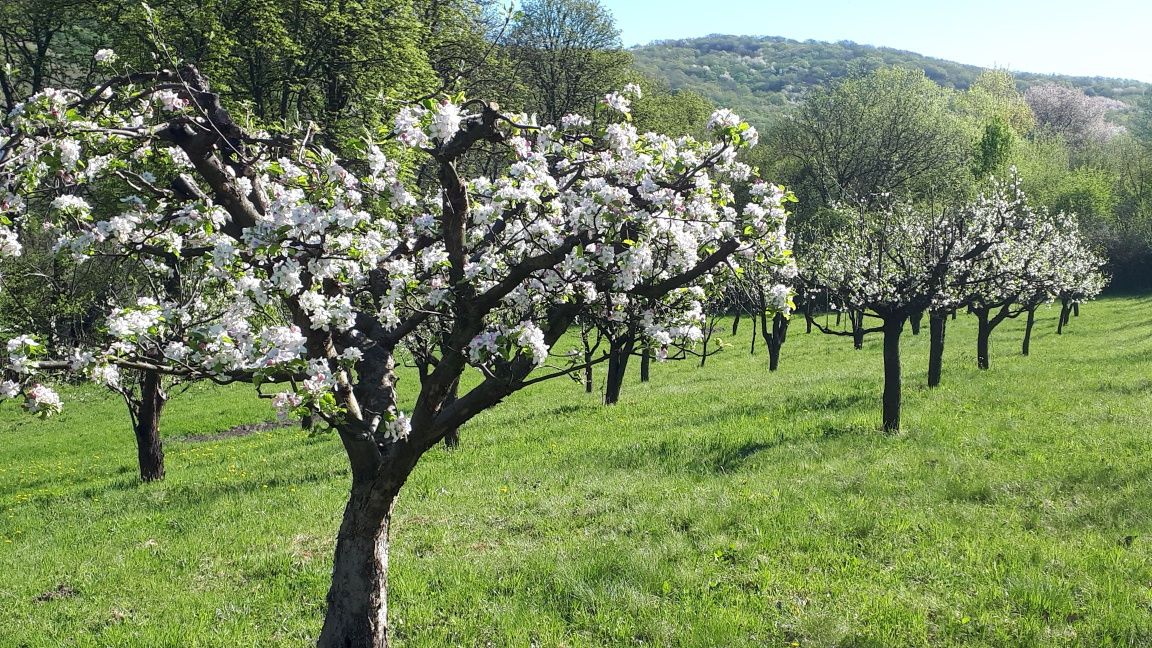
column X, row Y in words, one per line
column 893, row 328
column 953, row 314
column 916, row 319
column 857, row 320
column 983, row 333
column 752, row 351
column 149, row 449
column 937, row 326
column 585, row 331
column 838, row 313
column 645, row 365
column 1028, row 330
column 1075, row 309
column 618, row 354
column 357, row 615
column 736, row 323
column 1064, row 310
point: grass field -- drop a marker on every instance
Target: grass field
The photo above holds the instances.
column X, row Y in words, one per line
column 721, row 506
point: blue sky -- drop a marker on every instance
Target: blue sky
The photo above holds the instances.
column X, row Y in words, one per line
column 1080, row 37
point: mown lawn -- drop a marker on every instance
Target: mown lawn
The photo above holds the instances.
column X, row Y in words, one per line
column 721, row 506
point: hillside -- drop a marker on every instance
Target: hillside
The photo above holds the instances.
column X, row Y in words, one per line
column 761, row 76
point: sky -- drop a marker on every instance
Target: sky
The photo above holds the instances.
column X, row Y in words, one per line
column 1078, row 37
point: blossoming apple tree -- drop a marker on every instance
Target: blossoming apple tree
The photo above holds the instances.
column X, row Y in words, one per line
column 1042, row 256
column 890, row 265
column 327, row 267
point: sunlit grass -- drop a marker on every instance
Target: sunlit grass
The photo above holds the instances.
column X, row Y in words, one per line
column 722, row 506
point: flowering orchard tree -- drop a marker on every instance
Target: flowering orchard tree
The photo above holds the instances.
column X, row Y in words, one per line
column 890, row 265
column 764, row 291
column 327, row 268
column 1042, row 256
column 1081, row 278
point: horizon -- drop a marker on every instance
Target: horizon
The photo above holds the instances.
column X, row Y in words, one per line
column 1054, row 38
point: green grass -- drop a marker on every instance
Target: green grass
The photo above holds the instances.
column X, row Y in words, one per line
column 715, row 507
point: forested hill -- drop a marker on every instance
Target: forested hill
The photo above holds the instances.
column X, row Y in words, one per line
column 761, row 76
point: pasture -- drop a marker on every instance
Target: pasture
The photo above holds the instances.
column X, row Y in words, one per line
column 722, row 506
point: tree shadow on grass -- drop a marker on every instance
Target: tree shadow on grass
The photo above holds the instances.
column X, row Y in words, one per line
column 713, row 456
column 832, row 402
column 1127, row 389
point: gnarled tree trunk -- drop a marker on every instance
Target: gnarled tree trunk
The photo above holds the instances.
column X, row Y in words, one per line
column 357, row 615
column 149, row 448
column 618, row 353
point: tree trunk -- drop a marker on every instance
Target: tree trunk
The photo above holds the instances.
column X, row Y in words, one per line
column 357, row 615
column 149, row 449
column 983, row 333
column 1064, row 310
column 857, row 320
column 452, row 437
column 953, row 313
column 752, row 351
column 776, row 341
column 916, row 319
column 645, row 365
column 736, row 323
column 589, row 385
column 618, row 354
column 893, row 327
column 937, row 326
column 1075, row 309
column 808, row 315
column 1028, row 331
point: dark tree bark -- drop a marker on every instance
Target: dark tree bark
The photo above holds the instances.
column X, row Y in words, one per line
column 987, row 321
column 983, row 333
column 1026, row 347
column 776, row 340
column 856, row 318
column 645, row 365
column 736, row 323
column 452, row 436
column 149, row 449
column 357, row 615
column 916, row 319
column 893, row 328
column 937, row 326
column 1065, row 311
column 1075, row 309
column 618, row 353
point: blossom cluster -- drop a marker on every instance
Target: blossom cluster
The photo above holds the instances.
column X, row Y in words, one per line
column 286, row 267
